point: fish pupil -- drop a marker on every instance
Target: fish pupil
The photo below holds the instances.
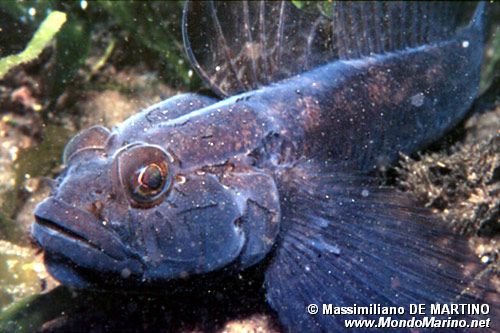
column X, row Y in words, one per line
column 150, row 177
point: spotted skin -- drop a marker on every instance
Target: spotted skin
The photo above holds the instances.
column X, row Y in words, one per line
column 270, row 175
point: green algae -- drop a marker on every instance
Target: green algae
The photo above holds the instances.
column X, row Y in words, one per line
column 41, row 39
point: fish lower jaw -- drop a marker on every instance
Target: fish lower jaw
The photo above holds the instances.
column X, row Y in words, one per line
column 80, row 264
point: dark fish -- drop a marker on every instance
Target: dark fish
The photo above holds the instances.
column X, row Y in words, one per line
column 280, row 170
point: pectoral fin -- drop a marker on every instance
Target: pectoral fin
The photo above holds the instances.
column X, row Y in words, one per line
column 348, row 242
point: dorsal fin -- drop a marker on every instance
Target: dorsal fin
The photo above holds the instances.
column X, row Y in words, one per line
column 238, row 46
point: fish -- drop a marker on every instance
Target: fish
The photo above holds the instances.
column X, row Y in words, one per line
column 278, row 169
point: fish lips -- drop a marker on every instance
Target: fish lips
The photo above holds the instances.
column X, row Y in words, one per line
column 74, row 240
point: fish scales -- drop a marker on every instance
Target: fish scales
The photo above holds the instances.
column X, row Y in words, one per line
column 369, row 96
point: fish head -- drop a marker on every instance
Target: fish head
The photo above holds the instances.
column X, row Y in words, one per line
column 132, row 213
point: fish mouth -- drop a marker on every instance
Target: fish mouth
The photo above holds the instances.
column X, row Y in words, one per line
column 74, row 241
column 64, row 232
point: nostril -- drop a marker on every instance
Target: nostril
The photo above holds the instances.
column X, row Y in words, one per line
column 96, row 208
column 238, row 223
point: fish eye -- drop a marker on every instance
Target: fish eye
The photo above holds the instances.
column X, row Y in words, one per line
column 148, row 181
column 145, row 175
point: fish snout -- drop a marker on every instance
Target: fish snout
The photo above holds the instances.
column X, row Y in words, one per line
column 79, row 237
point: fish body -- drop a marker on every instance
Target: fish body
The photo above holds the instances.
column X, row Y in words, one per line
column 278, row 170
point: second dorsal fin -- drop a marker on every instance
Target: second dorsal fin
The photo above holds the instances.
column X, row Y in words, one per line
column 238, row 46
